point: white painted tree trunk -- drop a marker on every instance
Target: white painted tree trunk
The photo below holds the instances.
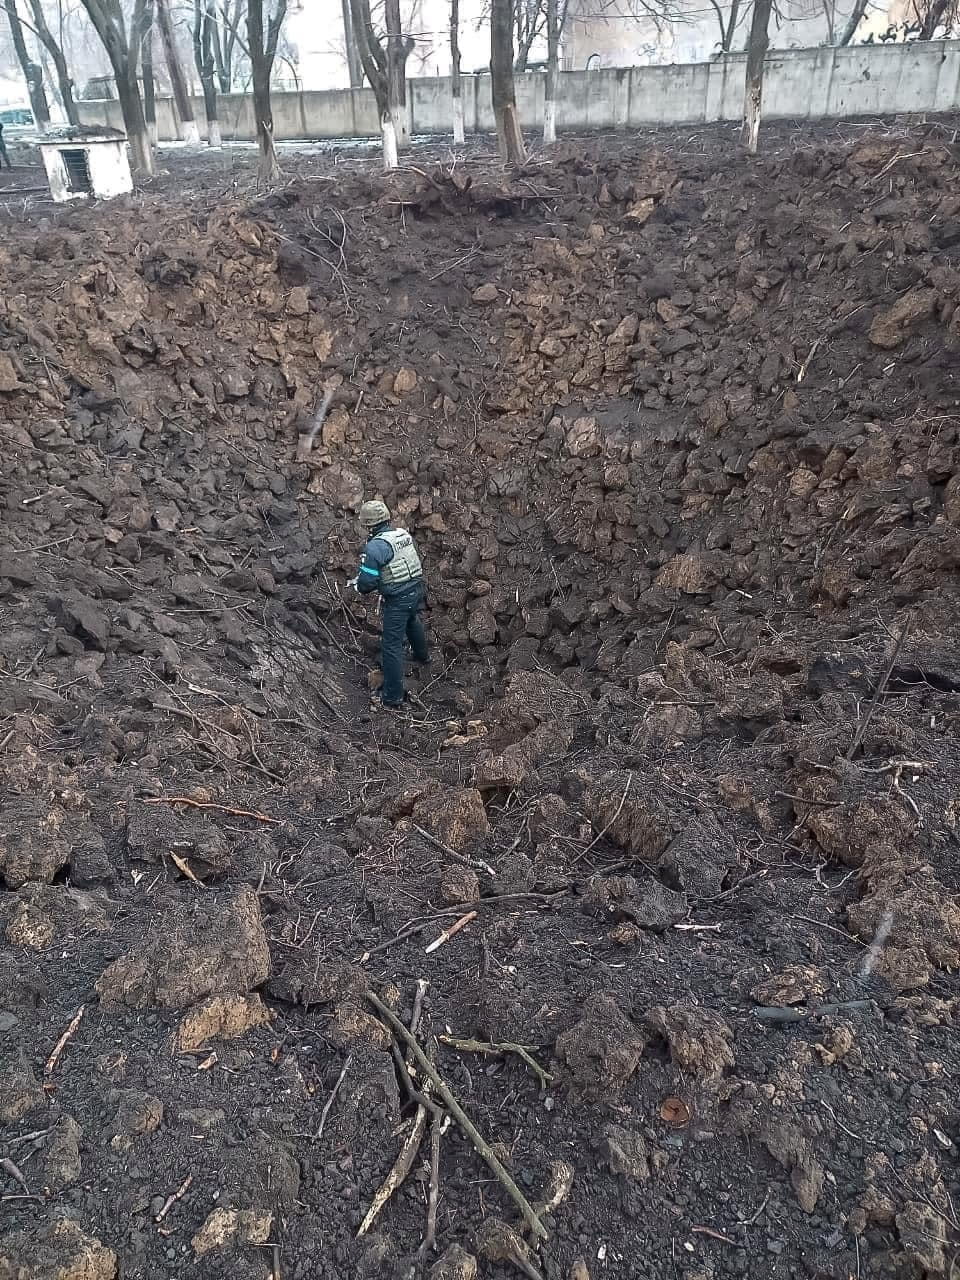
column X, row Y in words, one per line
column 401, row 125
column 191, row 133
column 389, row 133
column 550, row 121
column 458, row 134
column 751, row 122
column 152, row 134
column 214, row 136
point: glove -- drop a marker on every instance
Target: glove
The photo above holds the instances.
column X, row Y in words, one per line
column 353, row 583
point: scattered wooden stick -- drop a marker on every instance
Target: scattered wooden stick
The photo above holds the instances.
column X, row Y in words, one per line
column 404, row 1161
column 881, row 685
column 220, row 808
column 463, row 1120
column 172, row 1199
column 774, row 1013
column 183, row 866
column 709, row 1231
column 437, row 1128
column 447, row 934
column 8, row 1166
column 61, row 1044
column 333, row 1093
column 497, row 1049
column 477, row 863
column 276, row 1263
column 409, row 932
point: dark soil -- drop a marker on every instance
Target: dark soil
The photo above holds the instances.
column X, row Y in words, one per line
column 678, row 434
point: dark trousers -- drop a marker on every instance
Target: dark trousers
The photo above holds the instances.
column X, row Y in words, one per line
column 4, row 158
column 401, row 622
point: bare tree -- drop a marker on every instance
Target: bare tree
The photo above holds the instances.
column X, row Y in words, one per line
column 728, row 23
column 204, row 24
column 262, row 47
column 178, row 82
column 931, row 14
column 530, row 20
column 456, row 87
column 386, row 69
column 753, row 92
column 351, row 52
column 856, row 17
column 55, row 50
column 501, row 76
column 556, row 20
column 32, row 71
column 123, row 51
column 146, row 75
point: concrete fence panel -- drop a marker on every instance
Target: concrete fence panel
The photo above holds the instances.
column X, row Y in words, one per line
column 800, row 84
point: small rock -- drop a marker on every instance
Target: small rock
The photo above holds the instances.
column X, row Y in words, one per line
column 232, row 1227
column 454, row 1264
column 404, row 381
column 219, row 1018
column 487, row 293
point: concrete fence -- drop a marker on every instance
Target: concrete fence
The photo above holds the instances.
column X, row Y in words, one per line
column 800, row 84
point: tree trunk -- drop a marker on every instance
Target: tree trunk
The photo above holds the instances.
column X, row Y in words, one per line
column 753, row 94
column 203, row 24
column 64, row 82
column 856, row 17
column 553, row 72
column 149, row 84
column 191, row 134
column 128, row 91
column 262, row 51
column 933, row 18
column 108, row 23
column 731, row 31
column 32, row 71
column 501, row 74
column 396, row 73
column 456, row 87
column 352, row 53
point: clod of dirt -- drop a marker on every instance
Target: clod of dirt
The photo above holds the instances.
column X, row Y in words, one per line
column 352, row 1025
column 454, row 1264
column 154, row 832
column 21, row 1090
column 306, row 979
column 698, row 1039
column 649, row 904
column 40, row 913
column 459, row 884
column 136, row 1114
column 849, row 831
column 57, row 1250
column 61, row 1162
column 626, row 1153
column 892, row 327
column 33, row 846
column 498, row 1242
column 514, row 765
column 219, row 1018
column 910, row 916
column 232, row 1227
column 193, row 952
column 615, row 806
column 602, row 1050
column 797, row 984
column 457, row 818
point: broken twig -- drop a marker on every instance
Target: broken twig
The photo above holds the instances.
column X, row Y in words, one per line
column 481, row 1146
column 774, row 1013
column 448, row 933
column 220, row 808
column 61, row 1044
column 878, row 692
column 333, row 1093
column 172, row 1199
column 497, row 1050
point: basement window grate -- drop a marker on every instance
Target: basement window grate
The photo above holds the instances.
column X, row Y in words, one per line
column 78, row 169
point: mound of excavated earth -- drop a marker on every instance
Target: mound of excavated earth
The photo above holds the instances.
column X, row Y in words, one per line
column 678, row 434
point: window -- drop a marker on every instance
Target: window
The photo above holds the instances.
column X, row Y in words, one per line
column 78, row 170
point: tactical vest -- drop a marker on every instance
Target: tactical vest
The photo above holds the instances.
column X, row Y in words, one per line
column 405, row 566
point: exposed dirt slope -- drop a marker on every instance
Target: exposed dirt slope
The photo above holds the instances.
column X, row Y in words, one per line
column 678, row 435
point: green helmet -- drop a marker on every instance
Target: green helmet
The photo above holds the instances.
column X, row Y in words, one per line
column 374, row 513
